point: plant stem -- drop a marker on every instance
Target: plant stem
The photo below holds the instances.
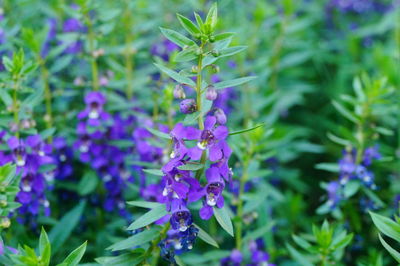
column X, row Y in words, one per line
column 128, row 53
column 198, row 87
column 154, row 244
column 277, row 49
column 91, row 37
column 15, row 106
column 198, row 103
column 48, row 96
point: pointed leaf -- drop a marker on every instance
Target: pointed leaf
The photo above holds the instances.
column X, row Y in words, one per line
column 136, row 240
column 149, row 217
column 176, row 76
column 188, row 25
column 177, row 38
column 246, row 130
column 222, row 216
column 392, row 251
column 232, row 83
column 206, row 237
column 158, row 133
column 75, row 256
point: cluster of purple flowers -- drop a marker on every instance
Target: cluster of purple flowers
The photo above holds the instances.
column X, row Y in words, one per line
column 29, row 155
column 178, row 242
column 258, row 256
column 350, row 170
column 98, row 132
column 359, row 6
column 70, row 25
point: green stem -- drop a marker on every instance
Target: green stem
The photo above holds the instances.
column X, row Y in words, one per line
column 48, row 97
column 276, row 55
column 91, row 38
column 128, row 53
column 15, row 106
column 154, row 245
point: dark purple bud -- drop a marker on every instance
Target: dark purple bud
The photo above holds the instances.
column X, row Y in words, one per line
column 220, row 116
column 188, row 106
column 179, row 93
column 211, row 93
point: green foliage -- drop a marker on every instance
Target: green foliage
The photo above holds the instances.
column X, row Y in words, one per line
column 325, row 246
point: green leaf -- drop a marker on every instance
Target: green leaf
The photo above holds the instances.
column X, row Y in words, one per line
column 392, row 251
column 330, row 167
column 301, row 242
column 44, row 247
column 199, row 21
column 338, row 140
column 60, row 233
column 5, row 97
column 191, row 167
column 136, row 240
column 156, row 172
column 386, row 226
column 75, row 256
column 149, row 217
column 47, row 133
column 351, row 188
column 158, row 133
column 212, row 17
column 223, row 36
column 176, row 76
column 298, row 257
column 127, row 259
column 177, row 38
column 222, row 216
column 232, row 83
column 246, row 130
column 206, row 237
column 185, row 55
column 88, row 183
column 358, row 89
column 145, row 204
column 346, row 113
column 231, row 51
column 188, row 25
column 342, row 241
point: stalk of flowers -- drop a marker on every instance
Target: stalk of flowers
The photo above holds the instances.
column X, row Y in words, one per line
column 350, row 170
column 198, row 168
column 98, row 135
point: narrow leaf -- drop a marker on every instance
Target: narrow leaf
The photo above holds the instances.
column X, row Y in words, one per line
column 149, row 217
column 158, row 133
column 135, row 240
column 75, row 256
column 206, row 237
column 176, row 76
column 232, row 83
column 156, row 172
column 386, row 226
column 392, row 251
column 177, row 38
column 245, row 130
column 223, row 219
column 188, row 25
column 190, row 167
column 346, row 113
column 144, row 204
column 60, row 233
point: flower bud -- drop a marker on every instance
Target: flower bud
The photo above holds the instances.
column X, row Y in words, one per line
column 220, row 116
column 211, row 93
column 215, row 68
column 188, row 106
column 179, row 93
column 5, row 222
column 195, row 69
column 215, row 53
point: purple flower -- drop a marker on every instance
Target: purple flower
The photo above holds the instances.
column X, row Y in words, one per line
column 181, row 218
column 212, row 138
column 188, row 106
column 370, row 154
column 234, row 259
column 94, row 109
column 164, row 49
